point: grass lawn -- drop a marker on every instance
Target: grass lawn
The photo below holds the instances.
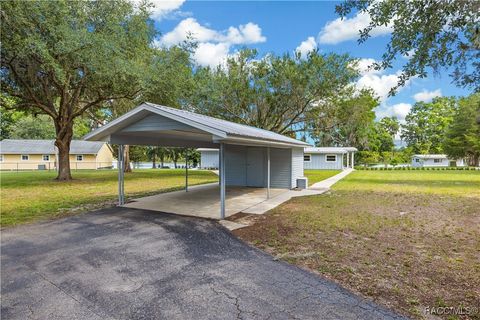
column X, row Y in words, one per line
column 29, row 196
column 406, row 239
column 315, row 176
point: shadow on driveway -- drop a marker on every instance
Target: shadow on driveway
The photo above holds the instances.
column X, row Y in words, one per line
column 122, row 263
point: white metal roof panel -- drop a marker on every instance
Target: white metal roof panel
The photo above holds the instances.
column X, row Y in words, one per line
column 222, row 129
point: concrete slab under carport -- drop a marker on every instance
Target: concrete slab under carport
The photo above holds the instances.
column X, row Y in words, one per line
column 203, row 201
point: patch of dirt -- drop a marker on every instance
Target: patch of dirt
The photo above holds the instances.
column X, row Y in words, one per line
column 404, row 251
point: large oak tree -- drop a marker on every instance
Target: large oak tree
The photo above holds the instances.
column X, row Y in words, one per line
column 62, row 58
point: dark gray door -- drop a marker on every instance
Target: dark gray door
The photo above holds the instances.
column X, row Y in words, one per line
column 255, row 167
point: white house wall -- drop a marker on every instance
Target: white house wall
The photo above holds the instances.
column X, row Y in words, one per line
column 318, row 161
column 297, row 165
column 209, row 159
column 432, row 163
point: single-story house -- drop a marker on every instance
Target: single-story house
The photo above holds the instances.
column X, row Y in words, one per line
column 435, row 160
column 329, row 158
column 249, row 157
column 42, row 155
column 208, row 158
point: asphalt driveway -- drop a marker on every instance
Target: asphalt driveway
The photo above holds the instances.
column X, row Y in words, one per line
column 122, row 263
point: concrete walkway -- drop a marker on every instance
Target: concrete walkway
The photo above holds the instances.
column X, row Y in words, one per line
column 315, row 189
column 327, row 183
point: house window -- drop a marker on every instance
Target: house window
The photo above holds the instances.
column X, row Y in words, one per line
column 331, row 158
column 24, row 157
column 307, row 158
column 417, row 160
column 46, row 157
column 1, row 157
column 79, row 157
column 437, row 160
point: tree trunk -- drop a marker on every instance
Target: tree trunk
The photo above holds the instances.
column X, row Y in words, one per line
column 126, row 156
column 64, row 132
column 154, row 164
column 162, row 161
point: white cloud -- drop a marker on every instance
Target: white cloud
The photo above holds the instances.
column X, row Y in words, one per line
column 427, row 96
column 187, row 27
column 244, row 34
column 399, row 110
column 306, row 46
column 211, row 54
column 364, row 64
column 213, row 46
column 340, row 30
column 160, row 8
column 380, row 83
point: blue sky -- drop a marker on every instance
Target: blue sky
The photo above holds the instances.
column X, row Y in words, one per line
column 222, row 28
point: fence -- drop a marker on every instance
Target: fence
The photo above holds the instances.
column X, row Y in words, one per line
column 51, row 165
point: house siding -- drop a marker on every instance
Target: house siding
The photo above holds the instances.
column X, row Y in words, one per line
column 318, row 161
column 209, row 159
column 14, row 162
column 103, row 159
column 432, row 163
column 297, row 166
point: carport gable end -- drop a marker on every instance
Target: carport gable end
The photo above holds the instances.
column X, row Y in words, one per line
column 248, row 156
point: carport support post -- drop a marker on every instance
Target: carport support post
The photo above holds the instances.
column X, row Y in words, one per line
column 222, row 180
column 186, row 171
column 121, row 197
column 353, row 159
column 268, row 172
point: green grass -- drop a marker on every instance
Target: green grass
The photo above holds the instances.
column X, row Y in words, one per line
column 315, row 176
column 403, row 238
column 29, row 196
column 458, row 183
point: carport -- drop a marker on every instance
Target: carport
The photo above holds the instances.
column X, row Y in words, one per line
column 249, row 157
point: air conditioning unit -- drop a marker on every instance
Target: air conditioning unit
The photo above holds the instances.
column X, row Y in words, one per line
column 302, row 183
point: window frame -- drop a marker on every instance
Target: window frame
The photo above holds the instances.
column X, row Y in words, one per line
column 1, row 157
column 47, row 156
column 79, row 155
column 309, row 157
column 437, row 160
column 330, row 155
column 24, row 155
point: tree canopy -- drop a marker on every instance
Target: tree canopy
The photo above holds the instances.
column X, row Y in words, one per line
column 431, row 34
column 425, row 125
column 62, row 58
column 462, row 139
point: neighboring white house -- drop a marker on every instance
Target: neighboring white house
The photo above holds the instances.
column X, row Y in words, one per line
column 208, row 158
column 329, row 158
column 435, row 160
column 313, row 158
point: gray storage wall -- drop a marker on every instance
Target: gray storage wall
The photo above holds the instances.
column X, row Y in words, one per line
column 318, row 161
column 280, row 168
column 235, row 165
column 247, row 166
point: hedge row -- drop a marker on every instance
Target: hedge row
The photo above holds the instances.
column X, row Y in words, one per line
column 419, row 168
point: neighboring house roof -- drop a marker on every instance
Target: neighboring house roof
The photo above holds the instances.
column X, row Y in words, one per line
column 430, row 156
column 338, row 150
column 12, row 146
column 223, row 129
